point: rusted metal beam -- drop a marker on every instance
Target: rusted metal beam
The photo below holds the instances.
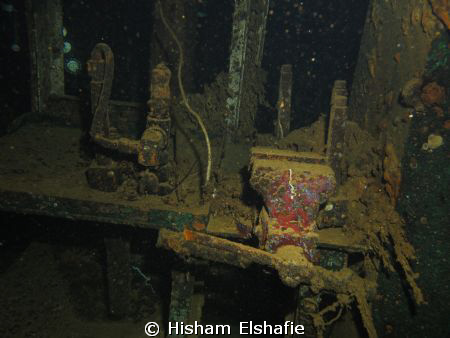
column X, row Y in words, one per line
column 293, row 156
column 291, row 271
column 292, row 268
column 127, row 117
column 88, row 210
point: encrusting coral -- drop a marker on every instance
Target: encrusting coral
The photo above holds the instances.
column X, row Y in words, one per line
column 432, row 93
column 373, row 214
column 371, row 209
column 441, row 9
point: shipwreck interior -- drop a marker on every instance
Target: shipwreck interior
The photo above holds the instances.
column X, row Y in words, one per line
column 284, row 163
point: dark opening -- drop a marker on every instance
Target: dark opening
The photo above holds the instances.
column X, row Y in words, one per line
column 214, row 24
column 15, row 60
column 321, row 40
column 126, row 26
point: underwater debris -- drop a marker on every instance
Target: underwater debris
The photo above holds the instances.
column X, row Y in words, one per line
column 311, row 138
column 428, row 21
column 410, row 93
column 432, row 93
column 392, row 173
column 292, row 266
column 362, row 153
column 212, row 104
column 374, row 215
column 405, row 25
column 371, row 209
column 441, row 8
column 416, row 13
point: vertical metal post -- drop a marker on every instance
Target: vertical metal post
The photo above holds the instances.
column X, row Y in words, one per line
column 246, row 13
column 336, row 129
column 35, row 80
column 261, row 30
column 55, row 22
column 180, row 299
column 45, row 22
column 239, row 40
column 118, row 276
column 283, row 124
column 101, row 70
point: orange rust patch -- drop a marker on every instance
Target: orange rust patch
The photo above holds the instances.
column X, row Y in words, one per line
column 447, row 124
column 199, row 226
column 188, row 235
column 432, row 93
column 441, row 9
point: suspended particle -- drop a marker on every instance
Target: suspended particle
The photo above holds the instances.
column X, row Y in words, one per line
column 67, row 47
column 8, row 8
column 72, row 66
column 15, row 47
column 64, row 32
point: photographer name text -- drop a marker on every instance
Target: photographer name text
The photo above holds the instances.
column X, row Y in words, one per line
column 245, row 328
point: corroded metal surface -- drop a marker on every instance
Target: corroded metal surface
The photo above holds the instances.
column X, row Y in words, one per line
column 294, row 156
column 283, row 125
column 237, row 60
column 44, row 21
column 292, row 268
column 37, row 204
column 336, row 130
column 101, row 70
column 246, row 50
column 155, row 138
column 151, row 148
column 181, row 299
column 292, row 192
column 292, row 271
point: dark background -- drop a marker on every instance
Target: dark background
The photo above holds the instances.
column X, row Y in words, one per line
column 319, row 38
